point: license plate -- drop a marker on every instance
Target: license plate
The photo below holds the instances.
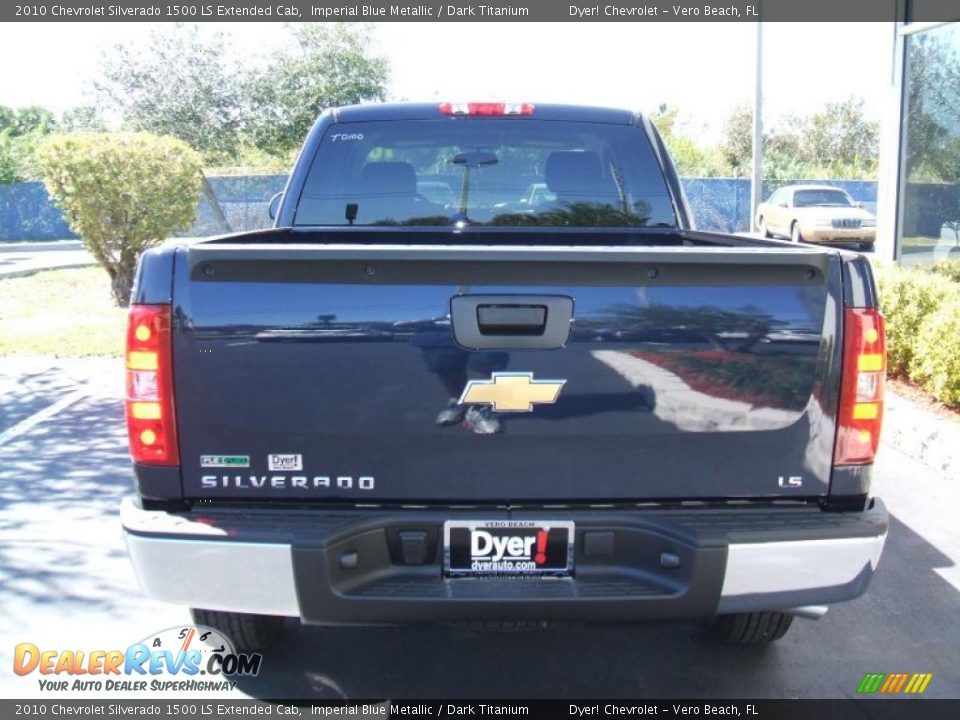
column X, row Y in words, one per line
column 508, row 547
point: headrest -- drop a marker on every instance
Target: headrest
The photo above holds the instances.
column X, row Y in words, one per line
column 571, row 172
column 388, row 178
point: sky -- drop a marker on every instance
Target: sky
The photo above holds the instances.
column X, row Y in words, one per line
column 703, row 69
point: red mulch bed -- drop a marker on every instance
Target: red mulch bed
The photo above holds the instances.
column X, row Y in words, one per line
column 921, row 397
column 711, row 386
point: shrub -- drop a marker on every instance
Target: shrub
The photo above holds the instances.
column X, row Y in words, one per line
column 948, row 269
column 18, row 156
column 907, row 297
column 936, row 360
column 123, row 193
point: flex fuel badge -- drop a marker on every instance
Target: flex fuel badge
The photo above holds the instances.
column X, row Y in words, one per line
column 226, row 461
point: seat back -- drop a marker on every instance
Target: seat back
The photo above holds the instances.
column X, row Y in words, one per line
column 393, row 179
column 578, row 177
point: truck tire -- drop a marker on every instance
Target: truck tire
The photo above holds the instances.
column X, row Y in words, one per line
column 249, row 633
column 757, row 628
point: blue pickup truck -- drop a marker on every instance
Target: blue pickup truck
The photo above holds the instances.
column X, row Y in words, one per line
column 421, row 397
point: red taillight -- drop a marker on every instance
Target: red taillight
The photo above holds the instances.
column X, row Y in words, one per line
column 861, row 387
column 150, row 421
column 486, row 108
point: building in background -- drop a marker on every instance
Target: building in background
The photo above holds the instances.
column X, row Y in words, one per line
column 919, row 192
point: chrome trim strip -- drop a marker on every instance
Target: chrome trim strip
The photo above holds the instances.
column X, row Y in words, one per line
column 135, row 519
column 778, row 567
column 208, row 573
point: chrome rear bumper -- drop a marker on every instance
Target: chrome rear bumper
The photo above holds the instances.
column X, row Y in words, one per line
column 241, row 564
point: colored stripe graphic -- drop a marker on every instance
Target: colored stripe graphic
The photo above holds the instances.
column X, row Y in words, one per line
column 894, row 683
column 871, row 682
column 918, row 683
column 901, row 681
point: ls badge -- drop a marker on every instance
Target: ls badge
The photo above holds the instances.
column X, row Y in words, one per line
column 512, row 392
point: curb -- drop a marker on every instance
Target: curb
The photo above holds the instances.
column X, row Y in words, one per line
column 34, row 270
column 49, row 246
column 922, row 435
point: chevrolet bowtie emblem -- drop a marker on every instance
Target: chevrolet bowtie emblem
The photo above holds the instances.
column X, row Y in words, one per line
column 512, row 392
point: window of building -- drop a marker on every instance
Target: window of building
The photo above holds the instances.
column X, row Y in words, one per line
column 929, row 229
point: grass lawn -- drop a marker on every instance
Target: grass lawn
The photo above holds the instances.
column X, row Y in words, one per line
column 949, row 240
column 60, row 313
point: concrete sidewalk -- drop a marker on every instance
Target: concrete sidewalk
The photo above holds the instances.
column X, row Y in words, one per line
column 26, row 258
column 921, row 434
column 17, row 259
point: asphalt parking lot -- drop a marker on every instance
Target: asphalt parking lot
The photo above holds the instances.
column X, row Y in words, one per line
column 65, row 583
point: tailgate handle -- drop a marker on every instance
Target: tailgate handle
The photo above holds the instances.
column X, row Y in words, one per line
column 511, row 322
column 511, row 319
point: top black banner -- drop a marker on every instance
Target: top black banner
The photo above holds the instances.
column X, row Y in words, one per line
column 489, row 11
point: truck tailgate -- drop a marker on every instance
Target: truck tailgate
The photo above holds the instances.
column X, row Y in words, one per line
column 318, row 373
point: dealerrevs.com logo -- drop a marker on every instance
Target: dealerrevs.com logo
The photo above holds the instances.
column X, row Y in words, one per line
column 176, row 659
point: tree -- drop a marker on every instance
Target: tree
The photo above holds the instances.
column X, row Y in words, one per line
column 932, row 107
column 178, row 84
column 664, row 119
column 25, row 120
column 690, row 158
column 330, row 65
column 21, row 130
column 7, row 117
column 82, row 118
column 122, row 193
column 33, row 118
column 737, row 145
column 18, row 156
column 841, row 135
column 839, row 141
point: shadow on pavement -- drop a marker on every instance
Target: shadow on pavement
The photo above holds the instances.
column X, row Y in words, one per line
column 60, row 490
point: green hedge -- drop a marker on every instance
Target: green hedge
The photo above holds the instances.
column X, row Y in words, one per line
column 936, row 363
column 948, row 269
column 922, row 311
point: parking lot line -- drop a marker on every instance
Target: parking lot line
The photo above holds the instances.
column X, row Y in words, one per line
column 26, row 425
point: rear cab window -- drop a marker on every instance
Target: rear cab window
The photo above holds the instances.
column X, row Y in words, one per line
column 489, row 171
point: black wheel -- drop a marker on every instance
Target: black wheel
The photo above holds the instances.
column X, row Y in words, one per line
column 249, row 633
column 795, row 233
column 758, row 628
column 762, row 224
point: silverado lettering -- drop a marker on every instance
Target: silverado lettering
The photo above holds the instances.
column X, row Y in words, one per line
column 504, row 313
column 282, row 481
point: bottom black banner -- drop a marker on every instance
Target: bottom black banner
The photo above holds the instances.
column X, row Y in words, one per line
column 874, row 709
